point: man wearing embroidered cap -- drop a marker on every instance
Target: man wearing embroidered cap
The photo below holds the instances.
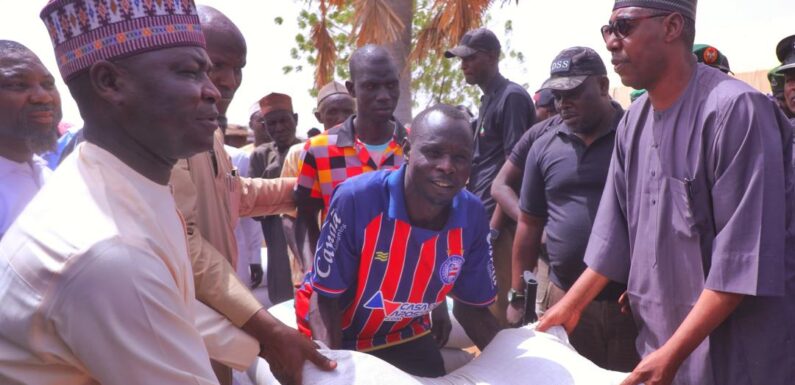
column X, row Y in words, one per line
column 110, row 299
column 699, row 160
column 334, row 106
column 266, row 162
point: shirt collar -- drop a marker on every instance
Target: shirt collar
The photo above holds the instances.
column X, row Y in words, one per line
column 495, row 84
column 346, row 134
column 564, row 129
column 397, row 203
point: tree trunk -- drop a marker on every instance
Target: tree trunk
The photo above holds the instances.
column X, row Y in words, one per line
column 400, row 50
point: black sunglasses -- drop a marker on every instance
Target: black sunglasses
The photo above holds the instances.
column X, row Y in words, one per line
column 622, row 27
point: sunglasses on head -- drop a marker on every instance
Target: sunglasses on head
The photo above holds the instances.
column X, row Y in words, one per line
column 622, row 27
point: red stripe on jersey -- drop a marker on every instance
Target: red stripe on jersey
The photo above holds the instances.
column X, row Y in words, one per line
column 389, row 283
column 422, row 277
column 371, row 233
column 455, row 246
column 418, row 328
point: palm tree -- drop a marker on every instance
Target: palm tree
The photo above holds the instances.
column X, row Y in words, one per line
column 388, row 22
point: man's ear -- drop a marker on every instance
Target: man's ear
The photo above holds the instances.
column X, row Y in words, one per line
column 108, row 82
column 317, row 116
column 674, row 25
column 349, row 86
column 295, row 117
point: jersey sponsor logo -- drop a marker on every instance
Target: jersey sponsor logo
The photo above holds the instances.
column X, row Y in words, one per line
column 381, row 256
column 330, row 244
column 450, row 269
column 397, row 311
column 560, row 66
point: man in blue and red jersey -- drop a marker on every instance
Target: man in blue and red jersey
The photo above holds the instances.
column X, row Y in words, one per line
column 384, row 263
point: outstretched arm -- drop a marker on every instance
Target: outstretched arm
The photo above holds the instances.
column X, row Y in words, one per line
column 326, row 323
column 479, row 324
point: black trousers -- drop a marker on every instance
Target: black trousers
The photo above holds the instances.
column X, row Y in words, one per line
column 418, row 357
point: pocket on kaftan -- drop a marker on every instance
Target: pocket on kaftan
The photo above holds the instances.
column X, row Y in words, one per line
column 682, row 219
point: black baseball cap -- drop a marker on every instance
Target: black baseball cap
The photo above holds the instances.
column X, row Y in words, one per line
column 544, row 98
column 785, row 51
column 480, row 39
column 572, row 66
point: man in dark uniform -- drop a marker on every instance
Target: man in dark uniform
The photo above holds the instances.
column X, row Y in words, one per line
column 506, row 111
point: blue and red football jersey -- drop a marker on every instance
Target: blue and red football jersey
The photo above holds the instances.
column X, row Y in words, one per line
column 388, row 274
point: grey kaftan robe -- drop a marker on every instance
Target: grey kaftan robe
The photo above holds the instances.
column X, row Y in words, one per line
column 700, row 196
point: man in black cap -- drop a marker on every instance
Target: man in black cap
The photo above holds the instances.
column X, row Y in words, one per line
column 777, row 80
column 699, row 160
column 545, row 105
column 506, row 111
column 564, row 176
column 785, row 50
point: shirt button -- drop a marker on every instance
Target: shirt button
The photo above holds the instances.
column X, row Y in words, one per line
column 653, row 173
column 654, row 201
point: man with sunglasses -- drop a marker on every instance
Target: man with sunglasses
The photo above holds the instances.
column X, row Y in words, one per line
column 697, row 213
column 506, row 112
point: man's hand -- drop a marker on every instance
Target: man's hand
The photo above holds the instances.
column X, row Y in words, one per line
column 441, row 325
column 559, row 314
column 514, row 313
column 658, row 368
column 284, row 348
column 623, row 302
column 256, row 274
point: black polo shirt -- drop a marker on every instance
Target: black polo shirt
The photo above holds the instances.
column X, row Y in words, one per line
column 506, row 111
column 519, row 153
column 563, row 182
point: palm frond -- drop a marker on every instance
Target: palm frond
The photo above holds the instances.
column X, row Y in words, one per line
column 375, row 23
column 452, row 19
column 326, row 53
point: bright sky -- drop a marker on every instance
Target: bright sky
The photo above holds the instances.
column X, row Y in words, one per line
column 745, row 31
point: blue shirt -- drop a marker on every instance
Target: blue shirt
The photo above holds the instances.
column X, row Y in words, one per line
column 388, row 274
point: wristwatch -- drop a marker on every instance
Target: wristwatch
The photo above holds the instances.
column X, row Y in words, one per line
column 515, row 296
column 493, row 235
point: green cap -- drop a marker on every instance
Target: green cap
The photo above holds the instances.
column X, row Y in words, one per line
column 776, row 81
column 636, row 94
column 711, row 56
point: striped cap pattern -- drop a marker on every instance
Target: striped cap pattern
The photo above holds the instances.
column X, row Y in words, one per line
column 685, row 7
column 86, row 31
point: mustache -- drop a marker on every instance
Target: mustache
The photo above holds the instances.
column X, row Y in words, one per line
column 43, row 108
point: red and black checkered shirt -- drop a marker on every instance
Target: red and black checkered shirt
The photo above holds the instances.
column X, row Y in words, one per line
column 332, row 157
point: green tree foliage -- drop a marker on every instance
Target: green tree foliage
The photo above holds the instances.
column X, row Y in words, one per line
column 434, row 78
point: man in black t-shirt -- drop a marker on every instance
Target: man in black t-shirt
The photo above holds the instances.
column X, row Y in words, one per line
column 506, row 111
column 564, row 175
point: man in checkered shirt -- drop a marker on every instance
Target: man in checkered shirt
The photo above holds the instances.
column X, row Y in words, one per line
column 368, row 141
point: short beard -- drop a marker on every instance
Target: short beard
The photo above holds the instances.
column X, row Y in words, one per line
column 42, row 142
